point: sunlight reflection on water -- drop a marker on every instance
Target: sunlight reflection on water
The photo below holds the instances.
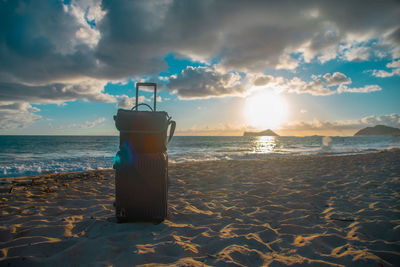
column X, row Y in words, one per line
column 264, row 144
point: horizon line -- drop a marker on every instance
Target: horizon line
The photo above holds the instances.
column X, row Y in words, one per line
column 314, row 135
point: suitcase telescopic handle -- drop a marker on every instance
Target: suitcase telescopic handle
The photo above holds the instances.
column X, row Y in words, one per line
column 147, row 85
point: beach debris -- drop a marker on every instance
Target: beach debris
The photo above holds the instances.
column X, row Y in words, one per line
column 342, row 219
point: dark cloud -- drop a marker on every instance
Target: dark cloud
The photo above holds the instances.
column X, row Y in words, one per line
column 38, row 43
column 54, row 93
column 202, row 82
column 260, row 80
column 336, row 79
column 393, row 39
column 51, row 51
column 44, row 41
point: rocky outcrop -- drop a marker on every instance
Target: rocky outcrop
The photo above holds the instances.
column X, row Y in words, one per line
column 262, row 133
column 378, row 130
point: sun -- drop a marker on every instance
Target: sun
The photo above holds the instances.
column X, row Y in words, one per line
column 265, row 110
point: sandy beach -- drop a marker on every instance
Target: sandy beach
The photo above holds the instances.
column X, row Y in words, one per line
column 322, row 211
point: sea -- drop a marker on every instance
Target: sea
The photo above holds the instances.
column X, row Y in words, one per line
column 32, row 155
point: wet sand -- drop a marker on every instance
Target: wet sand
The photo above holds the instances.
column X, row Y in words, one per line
column 333, row 211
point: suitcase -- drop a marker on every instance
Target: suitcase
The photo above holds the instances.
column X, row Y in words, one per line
column 141, row 188
column 141, row 164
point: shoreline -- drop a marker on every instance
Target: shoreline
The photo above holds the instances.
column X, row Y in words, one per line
column 275, row 156
column 319, row 210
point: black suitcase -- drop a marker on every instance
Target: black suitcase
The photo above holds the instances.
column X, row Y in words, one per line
column 141, row 188
column 141, row 165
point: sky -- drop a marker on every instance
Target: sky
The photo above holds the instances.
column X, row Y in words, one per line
column 222, row 67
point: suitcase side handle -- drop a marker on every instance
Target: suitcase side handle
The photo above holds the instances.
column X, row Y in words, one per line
column 171, row 129
column 147, row 85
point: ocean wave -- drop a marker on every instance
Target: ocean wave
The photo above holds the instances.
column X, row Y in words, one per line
column 34, row 167
column 66, row 154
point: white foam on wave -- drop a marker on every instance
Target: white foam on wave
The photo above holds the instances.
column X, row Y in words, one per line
column 192, row 149
column 318, row 151
column 23, row 168
column 326, row 140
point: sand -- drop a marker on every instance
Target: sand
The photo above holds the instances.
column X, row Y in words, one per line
column 322, row 211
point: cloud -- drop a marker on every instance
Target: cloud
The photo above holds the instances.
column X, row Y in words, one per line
column 91, row 90
column 223, row 129
column 392, row 120
column 360, row 53
column 87, row 14
column 395, row 70
column 389, row 120
column 89, row 39
column 204, row 82
column 365, row 89
column 320, row 87
column 17, row 106
column 392, row 41
column 323, row 44
column 261, row 79
column 299, row 127
column 57, row 51
column 90, row 124
column 394, row 64
column 287, row 62
column 365, row 50
column 317, row 87
column 265, row 34
column 336, row 79
column 84, row 125
column 36, row 49
column 385, row 74
column 47, row 56
column 17, row 115
column 127, row 102
column 298, row 86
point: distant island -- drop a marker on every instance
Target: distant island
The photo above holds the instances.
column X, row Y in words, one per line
column 262, row 133
column 378, row 130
